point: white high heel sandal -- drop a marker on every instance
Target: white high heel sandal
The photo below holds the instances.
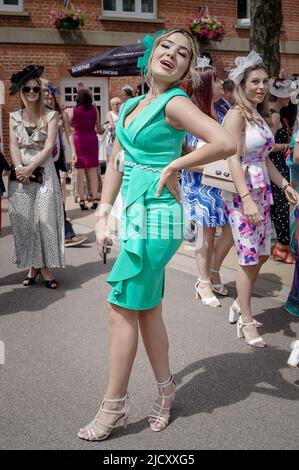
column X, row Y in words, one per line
column 209, row 301
column 159, row 419
column 218, row 288
column 99, row 431
column 257, row 342
column 294, row 356
column 235, row 312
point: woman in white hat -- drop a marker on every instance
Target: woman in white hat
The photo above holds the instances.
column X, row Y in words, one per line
column 280, row 92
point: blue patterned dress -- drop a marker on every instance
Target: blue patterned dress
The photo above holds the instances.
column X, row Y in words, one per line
column 202, row 204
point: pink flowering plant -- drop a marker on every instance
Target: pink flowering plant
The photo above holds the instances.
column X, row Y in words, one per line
column 207, row 27
column 68, row 18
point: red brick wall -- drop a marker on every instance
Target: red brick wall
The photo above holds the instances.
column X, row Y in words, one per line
column 57, row 58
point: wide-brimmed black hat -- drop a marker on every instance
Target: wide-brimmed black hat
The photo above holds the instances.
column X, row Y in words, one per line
column 21, row 77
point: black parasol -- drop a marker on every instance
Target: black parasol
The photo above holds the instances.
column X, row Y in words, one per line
column 117, row 62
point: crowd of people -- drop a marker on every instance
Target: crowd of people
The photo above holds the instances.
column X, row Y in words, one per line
column 191, row 124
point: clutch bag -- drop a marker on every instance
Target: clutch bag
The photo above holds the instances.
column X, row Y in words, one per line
column 217, row 174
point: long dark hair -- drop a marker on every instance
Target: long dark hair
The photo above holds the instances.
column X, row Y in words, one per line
column 202, row 94
column 84, row 98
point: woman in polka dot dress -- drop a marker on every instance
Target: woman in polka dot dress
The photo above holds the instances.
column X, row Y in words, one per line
column 280, row 92
column 35, row 208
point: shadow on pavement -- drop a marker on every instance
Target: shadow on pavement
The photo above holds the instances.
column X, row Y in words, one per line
column 37, row 297
column 275, row 320
column 223, row 380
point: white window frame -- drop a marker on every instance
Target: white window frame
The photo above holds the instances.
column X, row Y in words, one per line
column 129, row 14
column 18, row 7
column 89, row 82
column 245, row 21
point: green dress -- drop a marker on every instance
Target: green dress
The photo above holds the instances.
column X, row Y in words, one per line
column 151, row 226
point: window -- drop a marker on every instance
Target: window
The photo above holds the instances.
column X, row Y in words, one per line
column 11, row 5
column 130, row 8
column 244, row 12
column 98, row 87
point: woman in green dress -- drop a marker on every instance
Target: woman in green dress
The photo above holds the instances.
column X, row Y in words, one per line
column 150, row 132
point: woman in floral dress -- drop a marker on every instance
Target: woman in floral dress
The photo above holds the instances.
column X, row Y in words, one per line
column 249, row 209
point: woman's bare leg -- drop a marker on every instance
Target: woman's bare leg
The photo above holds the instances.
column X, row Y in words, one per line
column 156, row 344
column 80, row 173
column 246, row 277
column 124, row 341
column 93, row 181
column 63, row 187
column 221, row 247
column 203, row 256
column 155, row 341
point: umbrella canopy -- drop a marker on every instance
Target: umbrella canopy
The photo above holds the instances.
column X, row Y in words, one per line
column 117, row 62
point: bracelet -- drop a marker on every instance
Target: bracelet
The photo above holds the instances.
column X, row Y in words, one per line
column 244, row 195
column 18, row 166
column 285, row 186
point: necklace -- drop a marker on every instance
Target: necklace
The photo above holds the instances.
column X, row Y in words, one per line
column 149, row 98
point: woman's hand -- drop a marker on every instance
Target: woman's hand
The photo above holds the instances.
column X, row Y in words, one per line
column 74, row 158
column 251, row 210
column 24, row 173
column 169, row 178
column 102, row 233
column 291, row 195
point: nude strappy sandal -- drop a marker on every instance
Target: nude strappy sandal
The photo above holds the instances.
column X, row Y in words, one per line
column 99, row 431
column 208, row 301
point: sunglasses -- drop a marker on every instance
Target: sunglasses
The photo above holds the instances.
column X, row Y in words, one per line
column 28, row 89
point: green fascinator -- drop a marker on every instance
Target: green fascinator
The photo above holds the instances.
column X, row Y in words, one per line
column 148, row 42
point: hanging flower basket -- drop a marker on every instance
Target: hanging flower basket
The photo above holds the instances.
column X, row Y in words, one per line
column 206, row 27
column 68, row 19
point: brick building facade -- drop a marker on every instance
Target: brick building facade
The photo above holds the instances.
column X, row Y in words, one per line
column 26, row 34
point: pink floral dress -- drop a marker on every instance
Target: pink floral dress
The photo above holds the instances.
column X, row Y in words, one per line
column 251, row 240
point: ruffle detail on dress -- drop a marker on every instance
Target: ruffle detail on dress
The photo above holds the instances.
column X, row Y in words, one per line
column 134, row 232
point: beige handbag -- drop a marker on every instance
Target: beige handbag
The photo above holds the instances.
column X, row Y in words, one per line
column 217, row 174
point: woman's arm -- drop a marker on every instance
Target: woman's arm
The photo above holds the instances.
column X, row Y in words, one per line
column 296, row 148
column 111, row 186
column 110, row 190
column 181, row 113
column 281, row 182
column 44, row 154
column 99, row 127
column 14, row 145
column 276, row 124
column 70, row 137
column 111, row 122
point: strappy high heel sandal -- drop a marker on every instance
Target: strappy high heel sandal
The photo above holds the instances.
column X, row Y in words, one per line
column 160, row 414
column 294, row 356
column 218, row 288
column 283, row 254
column 29, row 281
column 99, row 431
column 257, row 342
column 94, row 204
column 209, row 301
column 235, row 312
column 83, row 206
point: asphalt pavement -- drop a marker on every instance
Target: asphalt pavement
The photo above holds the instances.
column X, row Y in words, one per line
column 55, row 345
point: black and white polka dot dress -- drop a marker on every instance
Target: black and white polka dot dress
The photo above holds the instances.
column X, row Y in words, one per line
column 36, row 210
column 280, row 209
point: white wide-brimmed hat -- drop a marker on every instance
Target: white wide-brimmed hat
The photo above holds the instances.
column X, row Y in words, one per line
column 281, row 88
